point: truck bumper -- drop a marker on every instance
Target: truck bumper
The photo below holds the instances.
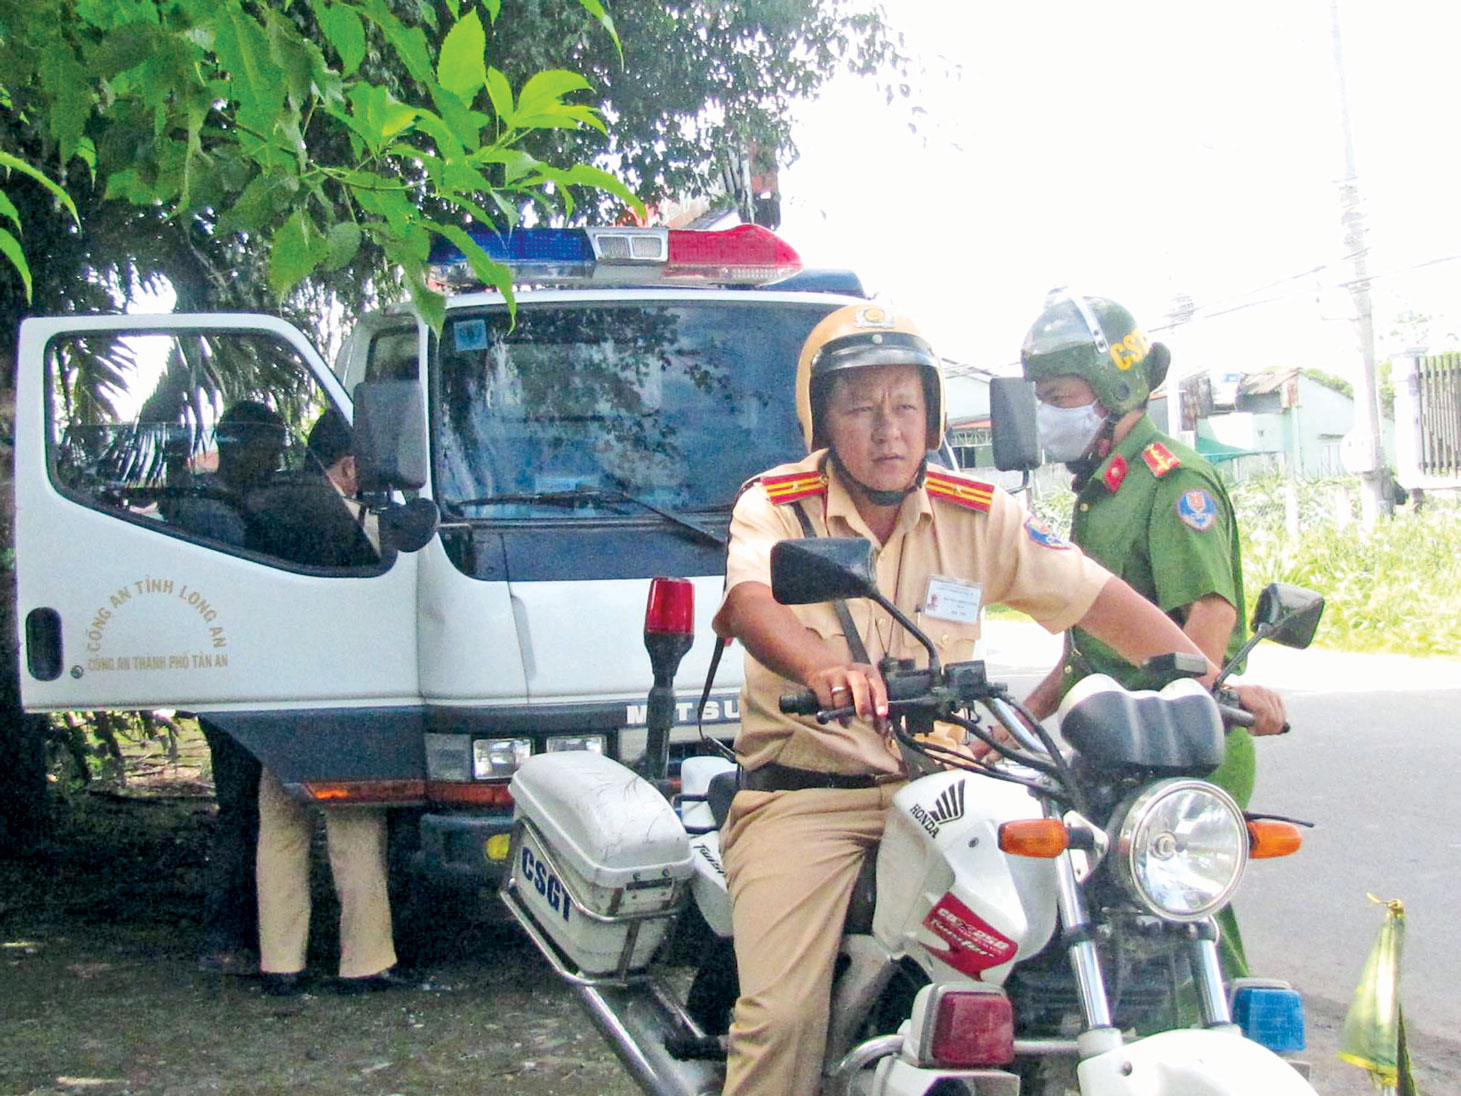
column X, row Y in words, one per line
column 460, row 847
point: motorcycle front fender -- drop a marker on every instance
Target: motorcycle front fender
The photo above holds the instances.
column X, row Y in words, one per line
column 1190, row 1062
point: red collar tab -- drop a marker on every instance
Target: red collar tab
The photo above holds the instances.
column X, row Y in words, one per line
column 970, row 494
column 1159, row 459
column 1115, row 473
column 794, row 485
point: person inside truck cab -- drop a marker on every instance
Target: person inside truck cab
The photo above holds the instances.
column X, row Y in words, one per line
column 813, row 798
column 250, row 437
column 313, row 517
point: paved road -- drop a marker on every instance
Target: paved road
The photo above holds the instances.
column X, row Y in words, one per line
column 1375, row 762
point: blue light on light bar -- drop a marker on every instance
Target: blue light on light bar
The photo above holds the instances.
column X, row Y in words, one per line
column 534, row 254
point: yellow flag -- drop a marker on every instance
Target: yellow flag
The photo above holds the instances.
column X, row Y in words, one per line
column 1374, row 1036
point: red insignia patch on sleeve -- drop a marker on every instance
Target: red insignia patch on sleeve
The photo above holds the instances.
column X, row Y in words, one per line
column 794, row 485
column 968, row 493
column 1159, row 459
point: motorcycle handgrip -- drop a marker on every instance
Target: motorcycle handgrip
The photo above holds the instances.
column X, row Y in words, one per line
column 801, row 702
column 1237, row 717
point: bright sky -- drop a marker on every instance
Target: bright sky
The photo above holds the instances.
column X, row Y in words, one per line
column 1142, row 149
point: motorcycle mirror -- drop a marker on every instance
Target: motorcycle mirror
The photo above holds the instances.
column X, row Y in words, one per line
column 817, row 569
column 1288, row 614
column 1012, row 424
column 409, row 527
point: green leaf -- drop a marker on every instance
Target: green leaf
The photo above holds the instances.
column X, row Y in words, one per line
column 494, row 8
column 296, row 249
column 599, row 12
column 7, row 209
column 257, row 82
column 588, row 175
column 16, row 164
column 545, row 89
column 346, row 33
column 500, row 92
column 462, row 66
column 342, row 243
column 10, row 247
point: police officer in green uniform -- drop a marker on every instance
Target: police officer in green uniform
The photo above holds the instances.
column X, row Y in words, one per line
column 1147, row 508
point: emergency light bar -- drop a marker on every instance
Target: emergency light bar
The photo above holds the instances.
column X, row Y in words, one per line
column 743, row 255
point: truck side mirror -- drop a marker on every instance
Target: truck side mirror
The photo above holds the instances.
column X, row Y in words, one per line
column 390, row 435
column 1012, row 424
column 409, row 526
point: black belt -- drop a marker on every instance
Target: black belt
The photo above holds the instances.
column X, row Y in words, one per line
column 783, row 778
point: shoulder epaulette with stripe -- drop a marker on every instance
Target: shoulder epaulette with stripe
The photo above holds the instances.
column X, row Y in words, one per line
column 1160, row 459
column 968, row 493
column 794, row 485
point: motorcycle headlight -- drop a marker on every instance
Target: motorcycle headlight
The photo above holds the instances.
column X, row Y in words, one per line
column 1181, row 849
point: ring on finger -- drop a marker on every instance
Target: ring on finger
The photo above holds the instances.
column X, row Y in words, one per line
column 840, row 689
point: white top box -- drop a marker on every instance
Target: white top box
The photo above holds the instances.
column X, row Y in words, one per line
column 606, row 823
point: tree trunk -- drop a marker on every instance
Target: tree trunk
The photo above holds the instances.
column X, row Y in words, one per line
column 24, row 819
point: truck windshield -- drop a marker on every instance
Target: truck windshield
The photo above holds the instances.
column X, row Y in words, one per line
column 673, row 403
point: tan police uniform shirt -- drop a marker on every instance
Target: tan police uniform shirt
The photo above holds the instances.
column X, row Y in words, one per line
column 953, row 527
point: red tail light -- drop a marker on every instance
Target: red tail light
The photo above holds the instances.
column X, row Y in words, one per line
column 973, row 1027
column 671, row 607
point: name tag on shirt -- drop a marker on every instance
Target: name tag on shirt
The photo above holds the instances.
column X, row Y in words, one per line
column 952, row 599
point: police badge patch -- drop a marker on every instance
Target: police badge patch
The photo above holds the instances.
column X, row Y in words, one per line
column 1197, row 510
column 1041, row 533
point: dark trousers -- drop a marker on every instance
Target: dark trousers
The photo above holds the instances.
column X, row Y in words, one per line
column 230, row 906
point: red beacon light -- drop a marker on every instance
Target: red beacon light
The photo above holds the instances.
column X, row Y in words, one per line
column 671, row 607
column 620, row 255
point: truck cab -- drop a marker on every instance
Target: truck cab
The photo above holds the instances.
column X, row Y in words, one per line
column 575, row 447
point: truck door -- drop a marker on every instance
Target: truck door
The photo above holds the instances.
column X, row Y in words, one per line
column 179, row 546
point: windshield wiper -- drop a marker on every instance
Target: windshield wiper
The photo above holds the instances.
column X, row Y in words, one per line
column 580, row 496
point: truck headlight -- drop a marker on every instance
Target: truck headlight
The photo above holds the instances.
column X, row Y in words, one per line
column 593, row 743
column 498, row 757
column 1181, row 849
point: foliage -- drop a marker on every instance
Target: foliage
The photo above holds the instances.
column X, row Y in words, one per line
column 1395, row 588
column 263, row 123
column 700, row 83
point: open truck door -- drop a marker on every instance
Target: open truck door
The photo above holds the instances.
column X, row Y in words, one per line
column 150, row 576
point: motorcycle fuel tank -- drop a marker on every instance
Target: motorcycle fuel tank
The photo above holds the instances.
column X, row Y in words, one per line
column 946, row 890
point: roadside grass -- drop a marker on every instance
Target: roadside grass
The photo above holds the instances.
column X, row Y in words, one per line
column 1393, row 589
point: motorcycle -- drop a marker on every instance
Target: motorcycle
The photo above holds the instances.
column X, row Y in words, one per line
column 1040, row 924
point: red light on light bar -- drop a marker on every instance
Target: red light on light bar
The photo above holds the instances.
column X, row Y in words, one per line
column 747, row 254
column 671, row 607
column 973, row 1028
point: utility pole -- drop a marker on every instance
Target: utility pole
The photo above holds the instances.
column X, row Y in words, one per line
column 1374, row 499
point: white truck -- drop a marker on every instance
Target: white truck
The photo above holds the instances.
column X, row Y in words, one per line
column 595, row 440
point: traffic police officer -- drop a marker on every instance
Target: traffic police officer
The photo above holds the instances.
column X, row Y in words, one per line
column 1147, row 507
column 813, row 799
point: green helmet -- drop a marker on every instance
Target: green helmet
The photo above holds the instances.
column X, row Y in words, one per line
column 1098, row 341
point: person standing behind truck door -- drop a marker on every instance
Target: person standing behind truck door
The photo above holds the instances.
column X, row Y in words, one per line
column 356, row 835
column 1148, row 508
column 250, row 439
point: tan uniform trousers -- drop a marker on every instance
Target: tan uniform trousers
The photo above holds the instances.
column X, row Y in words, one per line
column 357, row 839
column 791, row 860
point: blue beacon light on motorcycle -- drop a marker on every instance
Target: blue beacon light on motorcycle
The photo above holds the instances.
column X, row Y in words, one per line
column 1270, row 1012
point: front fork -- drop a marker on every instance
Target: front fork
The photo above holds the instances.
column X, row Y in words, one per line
column 1099, row 1034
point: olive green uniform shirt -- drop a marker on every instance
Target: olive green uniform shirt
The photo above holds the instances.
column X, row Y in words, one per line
column 1156, row 514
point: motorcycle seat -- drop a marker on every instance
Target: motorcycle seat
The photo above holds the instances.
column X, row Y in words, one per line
column 719, row 793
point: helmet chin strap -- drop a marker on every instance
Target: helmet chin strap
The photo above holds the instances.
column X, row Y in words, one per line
column 874, row 495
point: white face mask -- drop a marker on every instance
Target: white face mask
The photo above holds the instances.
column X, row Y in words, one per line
column 1067, row 432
